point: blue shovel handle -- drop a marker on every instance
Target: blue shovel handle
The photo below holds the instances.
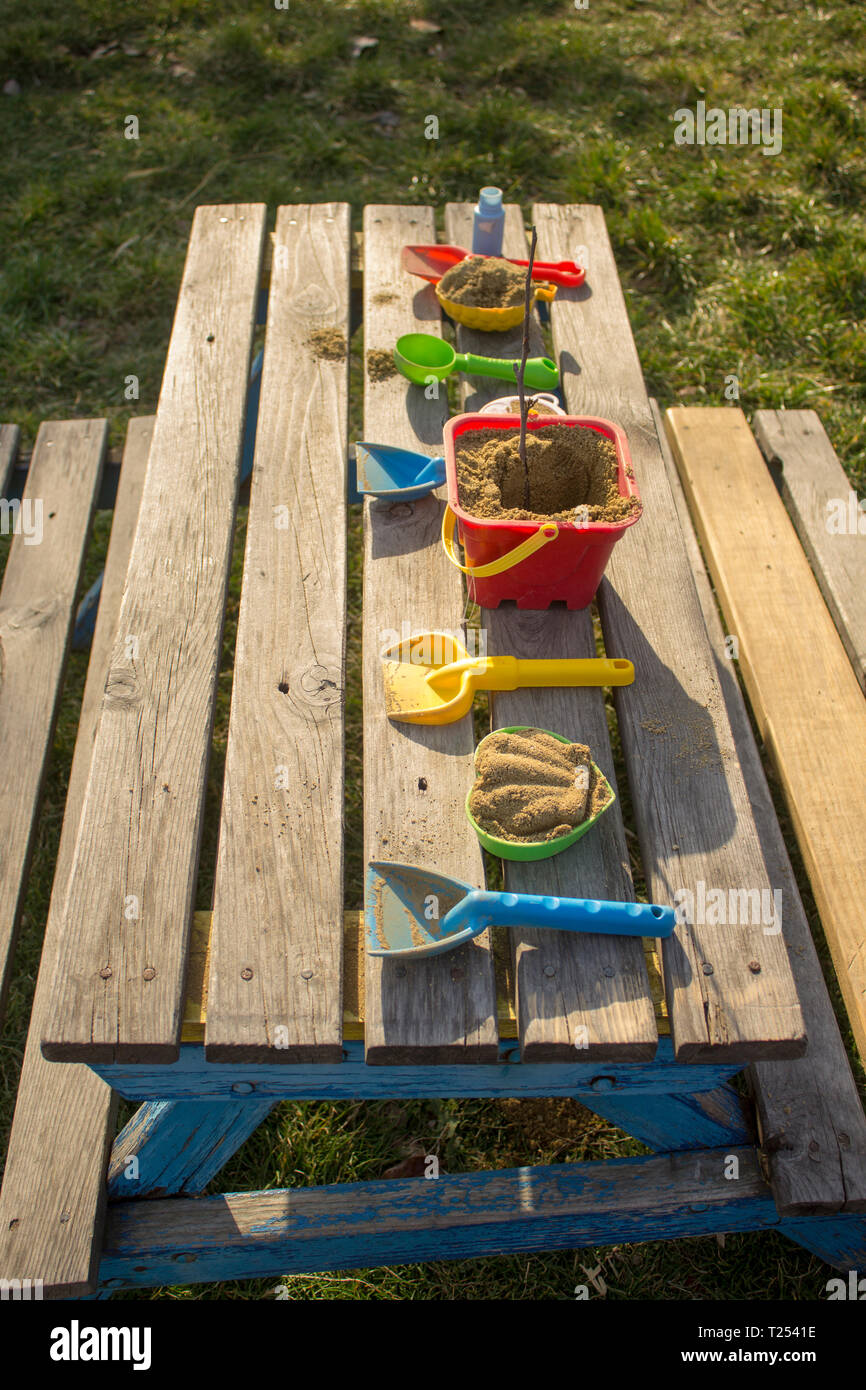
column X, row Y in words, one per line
column 433, row 472
column 570, row 914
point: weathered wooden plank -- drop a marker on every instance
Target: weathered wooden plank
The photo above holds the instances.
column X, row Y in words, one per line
column 807, row 702
column 193, row 1078
column 415, row 777
column 694, row 821
column 275, row 989
column 10, row 437
column 674, row 1123
column 36, row 611
column 839, row 1241
column 351, row 1225
column 174, row 1147
column 119, row 984
column 824, row 508
column 53, row 1196
column 811, row 1119
column 591, row 992
column 195, row 1002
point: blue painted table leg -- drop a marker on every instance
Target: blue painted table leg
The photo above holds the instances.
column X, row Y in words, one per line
column 85, row 618
column 174, row 1147
column 668, row 1123
column 838, row 1240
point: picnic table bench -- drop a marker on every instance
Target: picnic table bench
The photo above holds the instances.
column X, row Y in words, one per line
column 209, row 1020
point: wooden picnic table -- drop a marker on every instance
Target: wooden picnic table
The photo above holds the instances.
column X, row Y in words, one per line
column 270, row 996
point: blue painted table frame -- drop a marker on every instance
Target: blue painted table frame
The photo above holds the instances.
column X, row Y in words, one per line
column 194, row 1115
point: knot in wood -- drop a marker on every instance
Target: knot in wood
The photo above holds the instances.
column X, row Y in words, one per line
column 31, row 615
column 122, row 686
column 318, row 685
column 315, row 300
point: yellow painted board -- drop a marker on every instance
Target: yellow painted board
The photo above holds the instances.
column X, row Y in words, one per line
column 195, row 1006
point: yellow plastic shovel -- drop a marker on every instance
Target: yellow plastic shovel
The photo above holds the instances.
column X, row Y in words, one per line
column 431, row 679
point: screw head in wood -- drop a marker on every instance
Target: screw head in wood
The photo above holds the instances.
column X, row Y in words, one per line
column 707, row 968
column 149, row 973
column 755, row 967
column 105, row 972
column 306, row 974
column 246, row 973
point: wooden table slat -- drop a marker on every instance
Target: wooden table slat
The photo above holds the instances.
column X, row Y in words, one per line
column 694, row 821
column 119, row 984
column 826, row 512
column 37, row 607
column 53, row 1197
column 275, row 991
column 590, row 991
column 806, row 699
column 415, row 777
column 812, row 1123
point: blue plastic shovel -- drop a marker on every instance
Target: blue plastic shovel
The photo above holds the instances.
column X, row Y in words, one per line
column 400, row 475
column 414, row 912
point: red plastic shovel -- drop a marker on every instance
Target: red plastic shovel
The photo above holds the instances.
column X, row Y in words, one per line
column 431, row 263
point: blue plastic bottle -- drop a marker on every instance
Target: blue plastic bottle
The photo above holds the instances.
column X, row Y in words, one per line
column 488, row 223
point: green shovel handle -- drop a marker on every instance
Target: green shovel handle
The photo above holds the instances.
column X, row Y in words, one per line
column 541, row 373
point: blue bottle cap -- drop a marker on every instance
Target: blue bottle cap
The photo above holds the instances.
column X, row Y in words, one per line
column 490, row 199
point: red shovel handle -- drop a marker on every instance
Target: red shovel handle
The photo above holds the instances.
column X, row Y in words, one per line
column 556, row 272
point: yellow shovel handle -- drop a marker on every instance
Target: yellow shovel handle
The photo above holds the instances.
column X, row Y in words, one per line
column 544, row 291
column 545, row 533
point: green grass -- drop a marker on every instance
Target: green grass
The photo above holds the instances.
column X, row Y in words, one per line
column 733, row 263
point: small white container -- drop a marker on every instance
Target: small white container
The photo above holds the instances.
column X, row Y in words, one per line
column 542, row 402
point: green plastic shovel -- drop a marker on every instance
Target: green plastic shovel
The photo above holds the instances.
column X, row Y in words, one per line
column 422, row 355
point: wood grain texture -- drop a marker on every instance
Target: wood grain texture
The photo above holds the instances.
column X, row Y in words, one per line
column 37, row 601
column 119, row 984
column 353, row 1225
column 804, row 693
column 194, row 1078
column 10, row 437
column 586, row 991
column 275, row 990
column 675, row 1123
column 815, row 490
column 812, row 1124
column 691, row 805
column 53, row 1196
column 174, row 1147
column 415, row 777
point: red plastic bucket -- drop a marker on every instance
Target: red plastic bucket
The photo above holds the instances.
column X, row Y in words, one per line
column 545, row 563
